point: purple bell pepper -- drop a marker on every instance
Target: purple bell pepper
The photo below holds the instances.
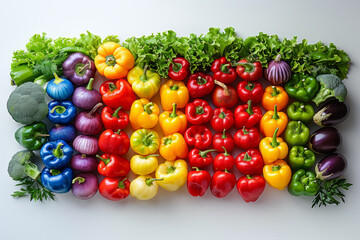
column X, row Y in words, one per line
column 79, row 68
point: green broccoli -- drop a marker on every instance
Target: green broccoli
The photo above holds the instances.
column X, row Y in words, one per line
column 26, row 103
column 331, row 86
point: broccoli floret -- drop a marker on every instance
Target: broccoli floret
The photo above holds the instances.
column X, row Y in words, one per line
column 330, row 86
column 21, row 165
column 26, row 103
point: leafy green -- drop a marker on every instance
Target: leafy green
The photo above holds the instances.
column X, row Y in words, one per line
column 34, row 189
column 90, row 42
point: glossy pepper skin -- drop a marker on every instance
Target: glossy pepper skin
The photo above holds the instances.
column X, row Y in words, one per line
column 198, row 112
column 274, row 95
column 57, row 181
column 247, row 115
column 144, row 83
column 250, row 162
column 297, row 134
column 302, row 87
column 222, row 119
column 173, row 92
column 272, row 120
column 174, row 174
column 117, row 93
column 249, row 71
column 223, row 161
column 250, row 91
column 299, row 111
column 223, row 71
column 223, row 141
column 179, row 69
column 32, row 137
column 277, row 174
column 144, row 114
column 200, row 159
column 200, row 84
column 173, row 121
column 304, row 183
column 114, row 189
column 273, row 148
column 173, row 147
column 250, row 187
column 198, row 136
column 56, row 155
column 145, row 141
column 222, row 183
column 114, row 120
column 198, row 181
column 61, row 112
column 144, row 165
column 247, row 138
column 144, row 187
column 116, row 143
column 113, row 165
column 301, row 158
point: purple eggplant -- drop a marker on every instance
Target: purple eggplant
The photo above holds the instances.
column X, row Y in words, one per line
column 331, row 166
column 79, row 68
column 83, row 163
column 86, row 97
column 325, row 140
column 85, row 186
column 331, row 113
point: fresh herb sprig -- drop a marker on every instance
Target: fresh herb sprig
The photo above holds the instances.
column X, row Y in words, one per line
column 330, row 192
column 34, row 189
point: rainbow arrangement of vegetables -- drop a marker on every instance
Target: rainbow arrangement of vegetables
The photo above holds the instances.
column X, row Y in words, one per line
column 172, row 143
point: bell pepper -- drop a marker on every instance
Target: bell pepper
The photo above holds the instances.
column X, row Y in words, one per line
column 57, row 181
column 273, row 148
column 114, row 189
column 272, row 120
column 249, row 71
column 173, row 92
column 223, row 161
column 144, row 114
column 198, row 112
column 200, row 84
column 144, row 187
column 56, row 155
column 274, row 95
column 113, row 166
column 247, row 115
column 116, row 143
column 247, row 138
column 174, row 174
column 297, row 134
column 173, row 147
column 250, row 162
column 117, row 93
column 144, row 82
column 61, row 112
column 250, row 187
column 32, row 137
column 300, row 112
column 114, row 120
column 223, row 142
column 304, row 183
column 179, row 69
column 301, row 158
column 302, row 87
column 198, row 181
column 222, row 119
column 145, row 141
column 222, row 183
column 200, row 159
column 223, row 71
column 144, row 165
column 198, row 136
column 22, row 74
column 277, row 174
column 173, row 121
column 113, row 61
column 250, row 91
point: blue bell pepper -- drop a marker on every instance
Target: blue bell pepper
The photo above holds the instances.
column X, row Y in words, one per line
column 56, row 154
column 61, row 112
column 57, row 181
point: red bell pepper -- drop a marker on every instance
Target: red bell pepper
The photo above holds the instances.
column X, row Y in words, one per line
column 250, row 91
column 113, row 166
column 222, row 119
column 200, row 84
column 223, row 71
column 117, row 143
column 222, row 183
column 198, row 112
column 249, row 71
column 114, row 120
column 200, row 159
column 247, row 138
column 179, row 69
column 198, row 136
column 116, row 93
column 250, row 187
column 114, row 189
column 247, row 115
column 198, row 182
column 250, row 162
column 223, row 140
column 223, row 161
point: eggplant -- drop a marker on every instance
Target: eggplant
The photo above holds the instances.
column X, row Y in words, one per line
column 331, row 113
column 331, row 166
column 325, row 140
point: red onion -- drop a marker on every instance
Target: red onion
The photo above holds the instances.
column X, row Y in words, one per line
column 89, row 123
column 86, row 97
column 86, row 144
column 85, row 186
column 83, row 163
column 278, row 72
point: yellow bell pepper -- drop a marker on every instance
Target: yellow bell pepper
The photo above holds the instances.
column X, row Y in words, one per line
column 145, row 141
column 173, row 147
column 143, row 114
column 174, row 174
column 277, row 174
column 173, row 92
column 143, row 165
column 144, row 187
column 273, row 148
column 272, row 120
column 144, row 83
column 173, row 121
column 113, row 61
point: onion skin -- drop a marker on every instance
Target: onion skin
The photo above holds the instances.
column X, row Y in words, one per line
column 331, row 166
column 85, row 186
column 62, row 132
column 86, row 97
column 224, row 95
column 331, row 113
column 278, row 72
column 325, row 140
column 83, row 163
column 86, row 144
column 89, row 123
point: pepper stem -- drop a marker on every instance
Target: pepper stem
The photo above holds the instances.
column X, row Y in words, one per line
column 121, row 184
column 225, row 68
column 55, row 172
column 200, row 80
column 247, row 157
column 176, row 67
column 79, row 179
column 147, row 107
column 36, row 135
column 59, row 109
column 298, row 128
column 276, row 168
column 94, row 109
column 196, row 168
column 250, row 86
column 167, row 141
column 151, row 155
column 147, row 139
column 223, row 136
column 249, row 108
column 149, row 181
column 249, row 177
column 222, row 115
column 275, row 143
column 249, row 67
column 245, row 131
column 81, row 71
column 199, row 110
column 57, row 79
column 171, row 169
column 223, row 86
column 116, row 113
column 58, row 152
column 225, row 151
column 204, row 153
column 275, row 91
column 174, row 87
column 105, row 160
column 90, row 84
column 173, row 113
column 110, row 60
column 143, row 77
column 276, row 115
column 112, row 87
column 118, row 132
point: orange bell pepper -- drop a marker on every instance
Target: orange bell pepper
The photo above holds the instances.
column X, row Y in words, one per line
column 273, row 148
column 173, row 121
column 173, row 92
column 143, row 114
column 274, row 95
column 277, row 174
column 173, row 147
column 272, row 120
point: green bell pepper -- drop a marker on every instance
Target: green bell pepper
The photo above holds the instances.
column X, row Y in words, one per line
column 22, row 74
column 300, row 112
column 304, row 183
column 302, row 87
column 297, row 134
column 301, row 158
column 32, row 137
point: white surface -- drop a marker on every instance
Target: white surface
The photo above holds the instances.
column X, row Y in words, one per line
column 276, row 215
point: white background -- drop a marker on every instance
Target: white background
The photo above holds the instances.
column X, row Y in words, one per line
column 276, row 215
